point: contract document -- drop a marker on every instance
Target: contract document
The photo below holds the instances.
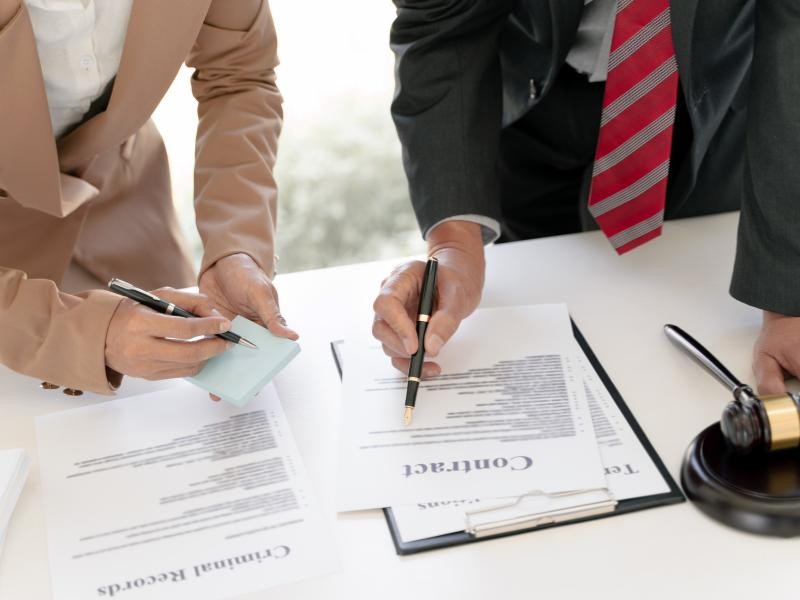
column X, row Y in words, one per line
column 629, row 470
column 508, row 416
column 170, row 495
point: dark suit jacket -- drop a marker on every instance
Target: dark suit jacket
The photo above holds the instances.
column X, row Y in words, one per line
column 466, row 68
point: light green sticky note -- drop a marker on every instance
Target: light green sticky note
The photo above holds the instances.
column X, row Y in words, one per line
column 239, row 373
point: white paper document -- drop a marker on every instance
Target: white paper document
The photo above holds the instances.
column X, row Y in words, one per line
column 169, row 495
column 629, row 471
column 14, row 467
column 508, row 416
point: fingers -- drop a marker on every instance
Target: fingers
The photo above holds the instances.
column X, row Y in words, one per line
column 166, row 326
column 210, row 321
column 441, row 328
column 277, row 326
column 453, row 304
column 392, row 345
column 776, row 354
column 269, row 313
column 459, row 285
column 392, row 325
column 154, row 358
column 769, row 375
column 429, row 369
column 188, row 353
column 198, row 304
column 401, row 359
column 143, row 343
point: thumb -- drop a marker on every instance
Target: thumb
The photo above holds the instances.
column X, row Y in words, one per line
column 270, row 314
column 441, row 328
column 769, row 375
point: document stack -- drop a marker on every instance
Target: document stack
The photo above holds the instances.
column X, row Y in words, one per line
column 522, row 430
column 167, row 495
column 14, row 467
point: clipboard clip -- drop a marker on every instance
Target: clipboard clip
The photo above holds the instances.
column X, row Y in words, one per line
column 514, row 517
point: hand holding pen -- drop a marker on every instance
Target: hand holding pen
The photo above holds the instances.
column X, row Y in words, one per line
column 141, row 342
column 426, row 297
column 153, row 302
column 458, row 246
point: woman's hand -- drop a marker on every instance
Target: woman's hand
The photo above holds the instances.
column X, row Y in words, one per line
column 141, row 342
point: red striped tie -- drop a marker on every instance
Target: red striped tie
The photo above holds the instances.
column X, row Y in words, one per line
column 629, row 180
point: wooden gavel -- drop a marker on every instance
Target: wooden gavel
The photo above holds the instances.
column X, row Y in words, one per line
column 749, row 423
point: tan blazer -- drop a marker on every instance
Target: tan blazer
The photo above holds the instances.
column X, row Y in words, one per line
column 100, row 195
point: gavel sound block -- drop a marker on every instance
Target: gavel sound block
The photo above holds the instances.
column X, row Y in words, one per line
column 759, row 493
column 745, row 473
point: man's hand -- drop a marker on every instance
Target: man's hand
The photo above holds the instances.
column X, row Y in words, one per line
column 776, row 354
column 459, row 282
column 143, row 343
column 236, row 285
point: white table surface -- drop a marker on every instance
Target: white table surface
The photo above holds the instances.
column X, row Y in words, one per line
column 621, row 304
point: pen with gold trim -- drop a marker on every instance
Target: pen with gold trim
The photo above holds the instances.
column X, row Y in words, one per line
column 123, row 288
column 423, row 316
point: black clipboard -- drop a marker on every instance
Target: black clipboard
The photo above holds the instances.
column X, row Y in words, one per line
column 673, row 496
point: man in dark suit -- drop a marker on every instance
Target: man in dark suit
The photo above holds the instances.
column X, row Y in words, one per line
column 508, row 132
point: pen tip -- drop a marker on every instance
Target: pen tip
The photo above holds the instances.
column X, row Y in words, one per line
column 407, row 415
column 248, row 344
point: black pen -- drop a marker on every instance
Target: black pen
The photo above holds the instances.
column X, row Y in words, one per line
column 124, row 288
column 423, row 316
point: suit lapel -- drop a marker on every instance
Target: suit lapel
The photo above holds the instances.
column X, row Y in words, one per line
column 159, row 37
column 565, row 16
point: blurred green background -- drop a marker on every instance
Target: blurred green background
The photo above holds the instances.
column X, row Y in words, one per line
column 342, row 193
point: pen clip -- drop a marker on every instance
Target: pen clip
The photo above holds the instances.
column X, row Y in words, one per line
column 131, row 288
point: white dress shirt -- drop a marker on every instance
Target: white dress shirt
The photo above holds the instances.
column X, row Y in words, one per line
column 589, row 53
column 80, row 44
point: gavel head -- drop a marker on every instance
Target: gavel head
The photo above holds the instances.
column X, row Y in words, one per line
column 753, row 423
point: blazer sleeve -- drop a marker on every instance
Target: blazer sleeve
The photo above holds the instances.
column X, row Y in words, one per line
column 240, row 117
column 56, row 337
column 448, row 104
column 767, row 268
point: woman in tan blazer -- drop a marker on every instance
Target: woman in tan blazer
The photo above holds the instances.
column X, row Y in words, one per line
column 94, row 202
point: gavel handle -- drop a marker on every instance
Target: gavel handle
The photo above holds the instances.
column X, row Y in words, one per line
column 704, row 358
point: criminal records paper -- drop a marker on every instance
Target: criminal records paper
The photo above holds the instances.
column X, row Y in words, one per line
column 170, row 495
column 507, row 416
column 629, row 470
